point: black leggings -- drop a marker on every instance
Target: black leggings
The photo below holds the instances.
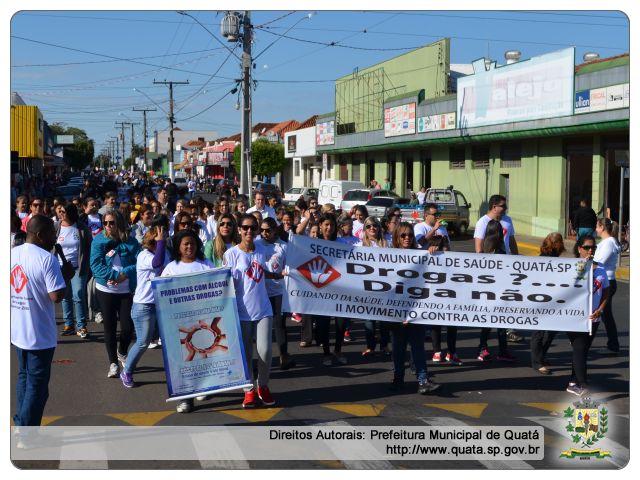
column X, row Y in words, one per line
column 279, row 323
column 114, row 307
column 436, row 343
column 609, row 321
column 580, row 343
column 502, row 339
column 322, row 333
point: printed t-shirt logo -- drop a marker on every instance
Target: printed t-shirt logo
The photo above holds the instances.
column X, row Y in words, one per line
column 318, row 272
column 255, row 272
column 18, row 279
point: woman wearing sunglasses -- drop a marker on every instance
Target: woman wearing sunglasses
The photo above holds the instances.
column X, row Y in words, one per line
column 248, row 266
column 581, row 341
column 225, row 238
column 113, row 263
column 408, row 332
column 373, row 237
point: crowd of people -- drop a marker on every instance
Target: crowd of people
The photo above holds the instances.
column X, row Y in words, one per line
column 96, row 255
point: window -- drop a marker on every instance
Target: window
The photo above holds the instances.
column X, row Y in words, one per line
column 480, row 156
column 456, row 158
column 355, row 169
column 296, row 167
column 511, row 155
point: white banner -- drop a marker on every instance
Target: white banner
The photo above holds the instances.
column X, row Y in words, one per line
column 400, row 120
column 447, row 288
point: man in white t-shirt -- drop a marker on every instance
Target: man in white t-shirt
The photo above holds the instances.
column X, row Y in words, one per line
column 497, row 211
column 267, row 212
column 191, row 187
column 431, row 227
column 421, row 195
column 36, row 284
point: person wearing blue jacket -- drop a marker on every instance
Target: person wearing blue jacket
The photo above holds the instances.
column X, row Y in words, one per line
column 113, row 263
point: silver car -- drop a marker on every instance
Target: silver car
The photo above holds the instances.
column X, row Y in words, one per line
column 361, row 196
column 292, row 195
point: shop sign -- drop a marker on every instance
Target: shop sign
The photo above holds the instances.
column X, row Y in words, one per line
column 400, row 120
column 325, row 133
column 433, row 123
column 604, row 98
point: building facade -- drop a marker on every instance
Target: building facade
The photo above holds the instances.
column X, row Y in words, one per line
column 543, row 132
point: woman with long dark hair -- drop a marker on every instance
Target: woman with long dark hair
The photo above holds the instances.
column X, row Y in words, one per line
column 409, row 332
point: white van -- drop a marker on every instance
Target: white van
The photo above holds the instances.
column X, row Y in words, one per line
column 332, row 191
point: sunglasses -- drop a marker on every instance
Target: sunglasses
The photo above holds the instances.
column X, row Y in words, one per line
column 226, row 224
column 405, row 235
column 185, row 224
column 265, row 230
column 109, row 222
column 588, row 247
column 244, row 228
column 370, row 226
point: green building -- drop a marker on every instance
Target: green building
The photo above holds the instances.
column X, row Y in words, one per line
column 544, row 132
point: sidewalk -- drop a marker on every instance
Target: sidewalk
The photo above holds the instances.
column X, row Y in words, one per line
column 528, row 245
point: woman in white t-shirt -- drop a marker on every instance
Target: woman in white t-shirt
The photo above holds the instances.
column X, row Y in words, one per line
column 249, row 270
column 150, row 262
column 75, row 240
column 581, row 341
column 188, row 258
column 607, row 255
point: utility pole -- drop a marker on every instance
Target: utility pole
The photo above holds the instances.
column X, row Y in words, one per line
column 132, row 144
column 122, row 124
column 172, row 120
column 144, row 115
column 116, row 148
column 245, row 166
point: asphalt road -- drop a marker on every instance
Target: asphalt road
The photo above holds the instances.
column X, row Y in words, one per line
column 357, row 394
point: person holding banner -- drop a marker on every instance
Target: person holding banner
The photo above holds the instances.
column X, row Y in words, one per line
column 607, row 255
column 248, row 265
column 327, row 230
column 150, row 262
column 552, row 246
column 407, row 332
column 276, row 253
column 432, row 226
column 581, row 341
column 188, row 258
column 373, row 237
column 493, row 242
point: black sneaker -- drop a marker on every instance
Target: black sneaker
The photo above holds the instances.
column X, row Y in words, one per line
column 397, row 385
column 513, row 337
column 427, row 386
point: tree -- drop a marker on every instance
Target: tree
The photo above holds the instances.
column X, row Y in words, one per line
column 80, row 154
column 267, row 158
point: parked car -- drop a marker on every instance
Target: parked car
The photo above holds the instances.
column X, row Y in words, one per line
column 68, row 191
column 379, row 206
column 333, row 191
column 452, row 205
column 360, row 196
column 269, row 189
column 292, row 195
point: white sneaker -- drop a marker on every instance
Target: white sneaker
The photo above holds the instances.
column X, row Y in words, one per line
column 185, row 406
column 153, row 344
column 98, row 318
column 122, row 359
column 159, row 342
column 202, row 398
column 114, row 370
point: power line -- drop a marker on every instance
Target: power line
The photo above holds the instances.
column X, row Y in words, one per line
column 210, row 106
column 276, row 19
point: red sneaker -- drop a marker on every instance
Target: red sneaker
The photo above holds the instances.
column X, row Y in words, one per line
column 296, row 317
column 250, row 400
column 265, row 395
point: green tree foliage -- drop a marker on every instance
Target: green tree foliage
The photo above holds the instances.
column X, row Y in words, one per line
column 80, row 154
column 267, row 158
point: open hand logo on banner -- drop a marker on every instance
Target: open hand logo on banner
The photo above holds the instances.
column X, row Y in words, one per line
column 318, row 272
column 255, row 272
column 18, row 279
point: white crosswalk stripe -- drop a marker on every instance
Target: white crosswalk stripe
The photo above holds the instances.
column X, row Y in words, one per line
column 489, row 464
column 619, row 453
column 225, row 446
column 72, row 444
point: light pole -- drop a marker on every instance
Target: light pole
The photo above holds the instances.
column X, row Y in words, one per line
column 144, row 114
column 172, row 120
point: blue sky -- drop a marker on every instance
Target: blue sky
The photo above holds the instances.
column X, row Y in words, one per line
column 80, row 67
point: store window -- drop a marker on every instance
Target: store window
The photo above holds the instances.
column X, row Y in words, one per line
column 511, row 155
column 456, row 158
column 480, row 156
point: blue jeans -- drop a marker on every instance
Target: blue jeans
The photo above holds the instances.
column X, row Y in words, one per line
column 144, row 322
column 412, row 334
column 370, row 334
column 75, row 301
column 32, row 387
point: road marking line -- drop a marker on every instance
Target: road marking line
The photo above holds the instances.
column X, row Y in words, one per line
column 142, row 419
column 547, row 407
column 469, row 409
column 253, row 415
column 357, row 409
column 489, row 464
column 47, row 420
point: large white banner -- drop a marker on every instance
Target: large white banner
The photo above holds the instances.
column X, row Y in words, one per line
column 400, row 120
column 541, row 87
column 447, row 288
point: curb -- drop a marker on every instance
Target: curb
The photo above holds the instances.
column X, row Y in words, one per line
column 530, row 250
